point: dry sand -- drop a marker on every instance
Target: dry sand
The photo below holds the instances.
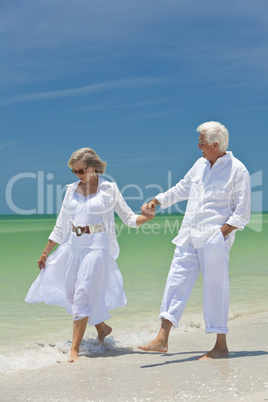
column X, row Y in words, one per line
column 133, row 375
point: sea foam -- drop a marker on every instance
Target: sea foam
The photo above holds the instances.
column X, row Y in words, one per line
column 36, row 355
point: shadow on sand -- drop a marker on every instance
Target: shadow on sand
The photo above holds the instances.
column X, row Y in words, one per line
column 232, row 355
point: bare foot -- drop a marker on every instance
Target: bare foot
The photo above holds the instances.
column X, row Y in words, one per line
column 157, row 345
column 215, row 353
column 74, row 355
column 103, row 331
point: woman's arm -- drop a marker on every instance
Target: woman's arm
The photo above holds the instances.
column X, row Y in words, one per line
column 56, row 236
column 42, row 260
column 125, row 212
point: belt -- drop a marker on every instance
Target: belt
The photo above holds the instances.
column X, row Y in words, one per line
column 79, row 230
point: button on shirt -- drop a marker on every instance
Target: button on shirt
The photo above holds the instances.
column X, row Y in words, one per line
column 216, row 195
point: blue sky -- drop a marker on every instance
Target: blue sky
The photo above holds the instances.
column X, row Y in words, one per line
column 132, row 80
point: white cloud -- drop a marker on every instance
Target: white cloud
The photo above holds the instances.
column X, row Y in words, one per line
column 8, row 144
column 58, row 38
column 104, row 86
column 104, row 106
column 154, row 115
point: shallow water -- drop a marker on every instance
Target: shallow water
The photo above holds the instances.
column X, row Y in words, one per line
column 144, row 261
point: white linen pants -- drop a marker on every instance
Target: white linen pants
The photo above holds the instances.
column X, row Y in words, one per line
column 212, row 260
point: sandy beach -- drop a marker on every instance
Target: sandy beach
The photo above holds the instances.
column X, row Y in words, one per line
column 128, row 374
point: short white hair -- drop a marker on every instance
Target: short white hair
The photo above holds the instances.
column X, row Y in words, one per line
column 215, row 132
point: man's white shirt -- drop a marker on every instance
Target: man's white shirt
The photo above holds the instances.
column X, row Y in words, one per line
column 216, row 195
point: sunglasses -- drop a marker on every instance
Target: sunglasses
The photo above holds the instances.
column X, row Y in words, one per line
column 80, row 171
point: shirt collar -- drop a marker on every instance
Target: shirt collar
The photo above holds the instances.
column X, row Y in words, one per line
column 101, row 181
column 223, row 159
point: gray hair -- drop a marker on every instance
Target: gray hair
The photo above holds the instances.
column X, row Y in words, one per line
column 215, row 132
column 90, row 159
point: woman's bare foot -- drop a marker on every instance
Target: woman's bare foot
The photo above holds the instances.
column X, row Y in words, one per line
column 79, row 327
column 74, row 355
column 157, row 345
column 103, row 331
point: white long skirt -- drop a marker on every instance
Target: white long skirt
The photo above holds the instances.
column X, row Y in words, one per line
column 86, row 281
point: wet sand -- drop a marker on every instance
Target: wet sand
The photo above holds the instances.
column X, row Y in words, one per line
column 129, row 374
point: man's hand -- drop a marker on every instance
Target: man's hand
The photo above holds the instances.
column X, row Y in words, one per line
column 148, row 210
column 227, row 229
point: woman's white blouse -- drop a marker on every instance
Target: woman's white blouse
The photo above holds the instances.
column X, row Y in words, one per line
column 110, row 201
column 86, row 209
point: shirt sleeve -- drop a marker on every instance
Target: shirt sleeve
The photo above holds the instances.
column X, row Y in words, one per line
column 242, row 195
column 179, row 192
column 124, row 212
column 57, row 233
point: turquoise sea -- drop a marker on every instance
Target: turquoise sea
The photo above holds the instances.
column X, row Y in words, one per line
column 32, row 335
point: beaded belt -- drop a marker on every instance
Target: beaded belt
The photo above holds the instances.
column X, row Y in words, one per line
column 79, row 230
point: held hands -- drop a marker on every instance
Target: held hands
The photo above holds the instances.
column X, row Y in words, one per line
column 148, row 210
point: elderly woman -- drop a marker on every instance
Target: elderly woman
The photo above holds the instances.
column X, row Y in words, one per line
column 82, row 274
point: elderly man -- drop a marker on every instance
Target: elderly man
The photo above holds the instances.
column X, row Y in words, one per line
column 217, row 188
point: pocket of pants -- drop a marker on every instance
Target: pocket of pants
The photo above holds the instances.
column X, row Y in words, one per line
column 223, row 238
column 218, row 238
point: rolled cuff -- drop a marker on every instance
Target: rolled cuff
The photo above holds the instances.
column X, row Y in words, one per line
column 217, row 330
column 169, row 317
column 133, row 221
column 161, row 199
column 55, row 238
column 237, row 222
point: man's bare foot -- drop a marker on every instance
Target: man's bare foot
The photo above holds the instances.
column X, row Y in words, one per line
column 157, row 345
column 103, row 331
column 215, row 353
column 74, row 355
column 219, row 351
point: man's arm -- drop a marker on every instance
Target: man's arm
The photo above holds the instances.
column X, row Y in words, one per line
column 177, row 193
column 242, row 195
column 227, row 229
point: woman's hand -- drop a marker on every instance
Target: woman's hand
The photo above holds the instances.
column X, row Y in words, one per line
column 42, row 260
column 148, row 213
column 148, row 210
